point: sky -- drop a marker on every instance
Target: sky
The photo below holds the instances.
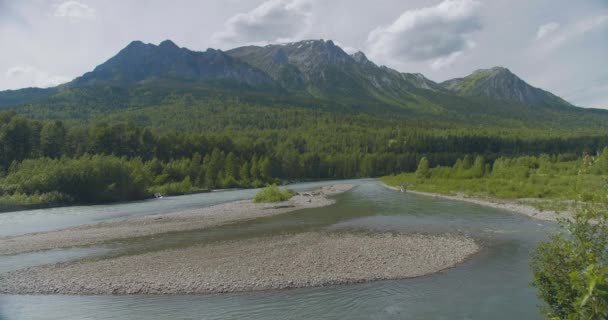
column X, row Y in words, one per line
column 558, row 45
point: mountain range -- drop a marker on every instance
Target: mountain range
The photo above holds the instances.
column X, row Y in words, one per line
column 306, row 73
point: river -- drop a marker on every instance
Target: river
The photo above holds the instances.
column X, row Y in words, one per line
column 491, row 285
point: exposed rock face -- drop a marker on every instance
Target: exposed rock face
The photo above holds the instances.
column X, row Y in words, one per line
column 323, row 69
column 139, row 61
column 306, row 72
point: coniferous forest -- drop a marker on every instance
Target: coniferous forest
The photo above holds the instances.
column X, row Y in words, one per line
column 236, row 145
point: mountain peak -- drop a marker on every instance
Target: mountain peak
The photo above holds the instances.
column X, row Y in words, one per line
column 303, row 55
column 135, row 43
column 168, row 44
column 360, row 57
column 141, row 62
column 501, row 83
column 494, row 71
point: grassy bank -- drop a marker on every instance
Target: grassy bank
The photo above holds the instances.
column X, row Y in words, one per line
column 545, row 182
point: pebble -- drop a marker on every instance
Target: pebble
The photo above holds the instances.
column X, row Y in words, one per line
column 309, row 259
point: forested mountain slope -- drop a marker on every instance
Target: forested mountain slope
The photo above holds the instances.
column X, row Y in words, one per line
column 314, row 74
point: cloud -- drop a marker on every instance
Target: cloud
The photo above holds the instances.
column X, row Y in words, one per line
column 438, row 34
column 28, row 76
column 446, row 61
column 271, row 21
column 346, row 48
column 592, row 94
column 574, row 31
column 73, row 10
column 9, row 15
column 546, row 29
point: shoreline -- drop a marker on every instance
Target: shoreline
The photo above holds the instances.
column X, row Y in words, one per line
column 504, row 204
column 310, row 259
column 194, row 219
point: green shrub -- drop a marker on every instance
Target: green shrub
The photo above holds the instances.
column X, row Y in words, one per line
column 174, row 188
column 85, row 179
column 571, row 269
column 273, row 194
column 20, row 199
column 509, row 178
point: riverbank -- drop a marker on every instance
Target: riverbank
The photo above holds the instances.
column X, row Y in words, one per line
column 510, row 205
column 278, row 262
column 195, row 219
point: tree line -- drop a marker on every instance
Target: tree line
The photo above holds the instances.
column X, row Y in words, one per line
column 34, row 153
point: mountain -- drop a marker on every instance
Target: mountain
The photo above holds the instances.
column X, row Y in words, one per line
column 143, row 62
column 501, row 83
column 311, row 74
column 21, row 96
column 322, row 69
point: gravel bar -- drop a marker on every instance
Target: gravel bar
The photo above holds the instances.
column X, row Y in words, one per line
column 196, row 219
column 277, row 262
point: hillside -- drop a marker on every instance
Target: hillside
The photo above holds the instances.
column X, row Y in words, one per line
column 313, row 74
column 143, row 62
column 500, row 83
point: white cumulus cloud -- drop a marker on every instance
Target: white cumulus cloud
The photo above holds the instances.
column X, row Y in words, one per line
column 271, row 21
column 574, row 31
column 28, row 76
column 73, row 10
column 446, row 61
column 546, row 29
column 438, row 34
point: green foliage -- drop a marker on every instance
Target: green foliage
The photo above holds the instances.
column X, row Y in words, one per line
column 53, row 139
column 232, row 143
column 592, row 285
column 571, row 270
column 271, row 194
column 423, row 172
column 17, row 200
column 86, row 179
column 542, row 177
column 174, row 188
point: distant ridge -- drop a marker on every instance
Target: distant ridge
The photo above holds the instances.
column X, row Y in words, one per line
column 139, row 62
column 309, row 73
column 501, row 83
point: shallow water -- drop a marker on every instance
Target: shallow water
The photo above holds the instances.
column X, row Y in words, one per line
column 491, row 285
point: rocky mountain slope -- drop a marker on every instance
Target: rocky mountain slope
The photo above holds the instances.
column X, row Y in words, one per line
column 311, row 73
column 501, row 83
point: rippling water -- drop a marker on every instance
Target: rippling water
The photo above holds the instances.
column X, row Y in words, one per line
column 491, row 285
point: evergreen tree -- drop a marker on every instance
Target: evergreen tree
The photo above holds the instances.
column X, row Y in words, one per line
column 423, row 170
column 245, row 179
column 53, row 139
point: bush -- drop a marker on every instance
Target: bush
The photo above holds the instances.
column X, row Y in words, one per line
column 571, row 270
column 86, row 179
column 20, row 199
column 174, row 188
column 273, row 194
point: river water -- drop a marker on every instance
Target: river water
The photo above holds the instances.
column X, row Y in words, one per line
column 491, row 285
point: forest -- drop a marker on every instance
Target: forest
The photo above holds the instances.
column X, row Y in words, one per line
column 234, row 145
